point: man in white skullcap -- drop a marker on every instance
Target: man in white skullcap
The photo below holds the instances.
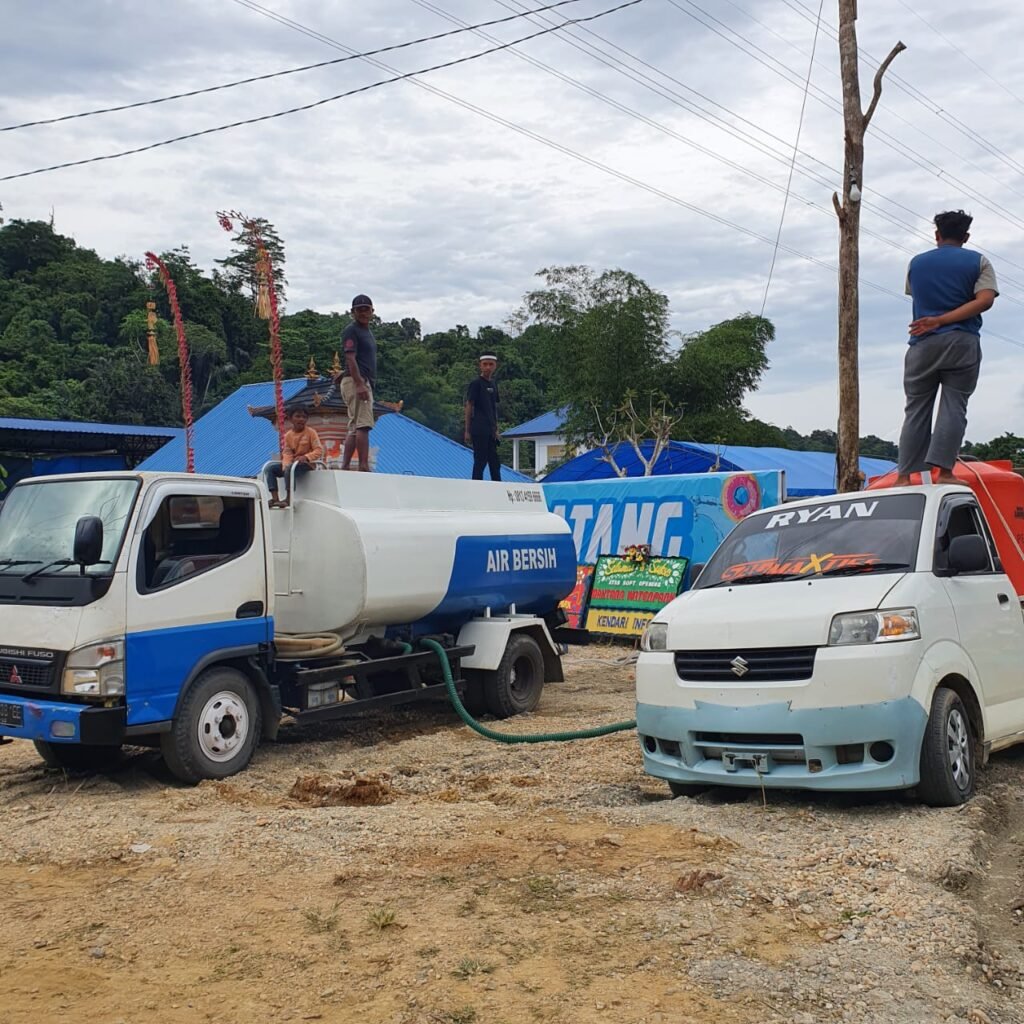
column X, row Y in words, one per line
column 482, row 419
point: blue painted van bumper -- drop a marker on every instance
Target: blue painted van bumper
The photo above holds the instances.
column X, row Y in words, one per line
column 804, row 748
column 75, row 723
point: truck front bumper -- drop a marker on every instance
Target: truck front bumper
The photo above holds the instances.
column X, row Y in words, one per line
column 54, row 721
column 775, row 745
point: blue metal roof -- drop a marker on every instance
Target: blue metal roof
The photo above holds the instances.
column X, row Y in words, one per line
column 229, row 441
column 547, row 423
column 807, row 473
column 80, row 427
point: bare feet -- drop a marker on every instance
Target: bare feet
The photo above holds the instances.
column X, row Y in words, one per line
column 946, row 477
column 903, row 480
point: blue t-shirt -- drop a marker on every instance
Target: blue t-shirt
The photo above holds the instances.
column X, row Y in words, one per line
column 943, row 279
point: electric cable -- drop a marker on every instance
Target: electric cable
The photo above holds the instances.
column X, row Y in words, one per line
column 258, row 8
column 796, row 147
column 279, row 74
column 310, row 106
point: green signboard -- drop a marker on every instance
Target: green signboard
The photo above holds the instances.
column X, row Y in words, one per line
column 636, row 584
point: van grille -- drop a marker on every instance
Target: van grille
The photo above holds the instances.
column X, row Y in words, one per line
column 766, row 664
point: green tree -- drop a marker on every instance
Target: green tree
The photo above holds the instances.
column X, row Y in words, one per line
column 605, row 341
column 240, row 271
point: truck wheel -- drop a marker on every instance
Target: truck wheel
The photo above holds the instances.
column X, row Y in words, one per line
column 947, row 753
column 78, row 757
column 216, row 729
column 473, row 695
column 687, row 788
column 515, row 686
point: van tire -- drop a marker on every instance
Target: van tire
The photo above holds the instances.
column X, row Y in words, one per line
column 948, row 760
column 514, row 688
column 216, row 729
column 78, row 757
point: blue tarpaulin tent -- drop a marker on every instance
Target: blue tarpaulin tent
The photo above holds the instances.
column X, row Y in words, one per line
column 807, row 473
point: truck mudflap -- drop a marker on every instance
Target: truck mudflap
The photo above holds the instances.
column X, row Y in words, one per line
column 58, row 722
column 854, row 747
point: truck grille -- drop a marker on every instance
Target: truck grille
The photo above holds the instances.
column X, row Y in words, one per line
column 18, row 675
column 766, row 664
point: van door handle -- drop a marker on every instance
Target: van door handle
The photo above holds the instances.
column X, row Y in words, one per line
column 1003, row 598
column 249, row 610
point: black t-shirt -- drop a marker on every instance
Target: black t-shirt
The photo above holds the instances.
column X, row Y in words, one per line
column 359, row 341
column 484, row 396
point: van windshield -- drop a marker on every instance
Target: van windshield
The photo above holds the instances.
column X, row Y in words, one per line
column 851, row 536
column 37, row 523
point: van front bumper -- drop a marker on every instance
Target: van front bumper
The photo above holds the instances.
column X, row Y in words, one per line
column 777, row 746
column 53, row 721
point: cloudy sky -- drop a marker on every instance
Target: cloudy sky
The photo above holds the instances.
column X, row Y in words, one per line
column 603, row 148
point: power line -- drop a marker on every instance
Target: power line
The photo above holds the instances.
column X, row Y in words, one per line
column 792, row 165
column 825, row 99
column 926, row 101
column 572, row 38
column 279, row 74
column 963, row 53
column 316, row 103
column 565, row 150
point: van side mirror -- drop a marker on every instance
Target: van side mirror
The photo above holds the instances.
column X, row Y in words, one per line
column 968, row 554
column 88, row 541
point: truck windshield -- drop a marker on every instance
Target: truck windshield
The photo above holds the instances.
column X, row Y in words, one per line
column 850, row 536
column 37, row 524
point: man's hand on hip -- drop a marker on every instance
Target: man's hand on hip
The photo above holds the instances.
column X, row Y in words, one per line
column 925, row 325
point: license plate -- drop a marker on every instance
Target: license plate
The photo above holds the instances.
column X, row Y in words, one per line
column 12, row 714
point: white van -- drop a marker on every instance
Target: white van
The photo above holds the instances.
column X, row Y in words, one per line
column 855, row 642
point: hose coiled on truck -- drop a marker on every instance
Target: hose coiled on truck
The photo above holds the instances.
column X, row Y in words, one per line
column 304, row 646
column 506, row 737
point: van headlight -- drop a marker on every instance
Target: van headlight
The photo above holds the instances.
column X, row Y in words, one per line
column 880, row 627
column 95, row 670
column 655, row 637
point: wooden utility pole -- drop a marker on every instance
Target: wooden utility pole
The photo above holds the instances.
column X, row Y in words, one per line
column 855, row 122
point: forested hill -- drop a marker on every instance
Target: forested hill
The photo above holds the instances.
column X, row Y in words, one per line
column 73, row 346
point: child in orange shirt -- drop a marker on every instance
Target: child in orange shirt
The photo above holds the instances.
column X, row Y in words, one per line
column 302, row 447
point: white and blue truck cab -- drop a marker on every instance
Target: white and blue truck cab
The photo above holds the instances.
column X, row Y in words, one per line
column 865, row 641
column 179, row 611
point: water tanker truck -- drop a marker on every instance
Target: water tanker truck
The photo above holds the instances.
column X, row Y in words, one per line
column 179, row 611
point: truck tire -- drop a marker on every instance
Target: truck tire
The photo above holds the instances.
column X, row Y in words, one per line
column 947, row 753
column 78, row 757
column 514, row 688
column 216, row 729
column 473, row 695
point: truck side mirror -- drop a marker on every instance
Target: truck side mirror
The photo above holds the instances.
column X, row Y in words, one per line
column 88, row 540
column 968, row 553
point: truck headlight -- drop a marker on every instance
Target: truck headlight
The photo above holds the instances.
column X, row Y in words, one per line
column 95, row 670
column 880, row 627
column 655, row 637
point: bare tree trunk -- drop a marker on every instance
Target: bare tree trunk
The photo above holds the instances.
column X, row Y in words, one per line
column 855, row 125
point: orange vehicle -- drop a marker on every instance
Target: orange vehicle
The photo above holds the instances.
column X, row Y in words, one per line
column 1000, row 492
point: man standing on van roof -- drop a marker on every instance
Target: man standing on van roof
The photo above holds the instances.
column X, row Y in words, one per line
column 357, row 382
column 951, row 287
column 482, row 420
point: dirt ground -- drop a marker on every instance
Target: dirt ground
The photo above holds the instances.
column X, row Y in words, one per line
column 398, row 869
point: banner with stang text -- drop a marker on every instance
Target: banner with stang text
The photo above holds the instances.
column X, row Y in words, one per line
column 685, row 516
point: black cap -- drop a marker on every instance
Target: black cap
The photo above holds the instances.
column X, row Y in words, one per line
column 361, row 300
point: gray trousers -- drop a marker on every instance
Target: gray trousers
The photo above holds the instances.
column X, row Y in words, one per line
column 951, row 359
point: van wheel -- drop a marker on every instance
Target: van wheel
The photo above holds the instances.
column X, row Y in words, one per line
column 514, row 688
column 947, row 753
column 216, row 729
column 78, row 757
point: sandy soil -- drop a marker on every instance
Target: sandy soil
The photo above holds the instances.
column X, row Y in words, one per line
column 397, row 868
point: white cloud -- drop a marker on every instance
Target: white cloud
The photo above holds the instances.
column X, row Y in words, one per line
column 444, row 215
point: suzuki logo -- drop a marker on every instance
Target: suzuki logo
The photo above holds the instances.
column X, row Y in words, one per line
column 740, row 666
column 14, row 679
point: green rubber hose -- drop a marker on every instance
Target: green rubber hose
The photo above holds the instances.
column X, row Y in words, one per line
column 507, row 737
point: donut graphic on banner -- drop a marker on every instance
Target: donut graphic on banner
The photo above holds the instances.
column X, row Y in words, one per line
column 741, row 495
